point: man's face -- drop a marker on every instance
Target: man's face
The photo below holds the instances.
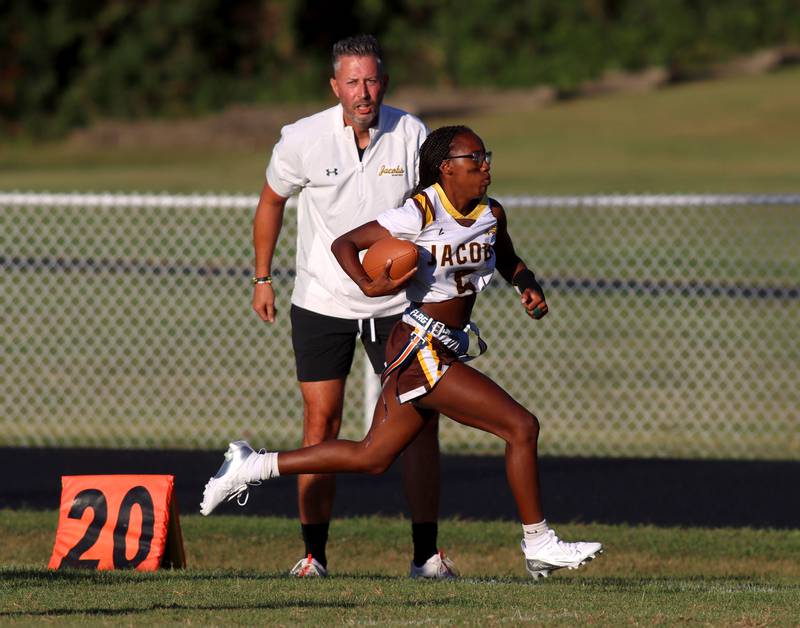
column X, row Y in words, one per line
column 359, row 85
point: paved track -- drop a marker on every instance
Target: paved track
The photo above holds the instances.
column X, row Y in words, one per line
column 602, row 490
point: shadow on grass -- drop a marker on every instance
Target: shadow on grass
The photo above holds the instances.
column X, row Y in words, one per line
column 685, row 584
column 56, row 612
column 33, row 576
column 302, row 601
column 47, row 576
column 91, row 576
column 37, row 576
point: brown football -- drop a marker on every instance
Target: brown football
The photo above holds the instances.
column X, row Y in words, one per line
column 402, row 253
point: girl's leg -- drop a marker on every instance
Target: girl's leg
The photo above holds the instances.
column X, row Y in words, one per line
column 471, row 398
column 393, row 428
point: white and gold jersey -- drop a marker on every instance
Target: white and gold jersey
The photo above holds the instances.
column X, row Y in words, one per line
column 456, row 252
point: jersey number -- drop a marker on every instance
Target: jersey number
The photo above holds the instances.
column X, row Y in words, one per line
column 461, row 285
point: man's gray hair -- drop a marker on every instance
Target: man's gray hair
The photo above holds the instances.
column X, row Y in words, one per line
column 357, row 46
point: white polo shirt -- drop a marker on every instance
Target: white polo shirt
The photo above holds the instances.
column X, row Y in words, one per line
column 317, row 158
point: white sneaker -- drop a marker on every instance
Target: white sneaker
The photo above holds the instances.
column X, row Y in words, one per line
column 308, row 567
column 437, row 566
column 228, row 482
column 557, row 554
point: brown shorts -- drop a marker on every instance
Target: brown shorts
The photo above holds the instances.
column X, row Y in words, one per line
column 426, row 368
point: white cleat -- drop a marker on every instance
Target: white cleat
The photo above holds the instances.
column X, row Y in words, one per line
column 308, row 567
column 437, row 567
column 557, row 554
column 228, row 483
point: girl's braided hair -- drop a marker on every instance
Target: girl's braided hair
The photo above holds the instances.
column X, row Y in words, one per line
column 433, row 152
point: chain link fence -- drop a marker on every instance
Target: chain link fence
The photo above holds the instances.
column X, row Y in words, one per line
column 674, row 326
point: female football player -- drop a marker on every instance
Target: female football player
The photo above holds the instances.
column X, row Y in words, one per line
column 462, row 238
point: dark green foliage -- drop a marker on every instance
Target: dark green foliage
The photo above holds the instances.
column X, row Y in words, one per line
column 63, row 64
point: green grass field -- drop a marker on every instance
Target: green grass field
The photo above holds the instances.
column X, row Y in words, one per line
column 236, row 566
column 734, row 135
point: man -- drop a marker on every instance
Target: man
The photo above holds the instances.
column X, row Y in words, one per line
column 347, row 163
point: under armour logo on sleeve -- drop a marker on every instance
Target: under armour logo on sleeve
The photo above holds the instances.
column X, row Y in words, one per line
column 331, row 171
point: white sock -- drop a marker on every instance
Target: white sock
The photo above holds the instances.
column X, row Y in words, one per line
column 269, row 469
column 260, row 467
column 535, row 534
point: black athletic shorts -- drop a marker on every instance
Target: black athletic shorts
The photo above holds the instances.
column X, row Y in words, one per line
column 324, row 345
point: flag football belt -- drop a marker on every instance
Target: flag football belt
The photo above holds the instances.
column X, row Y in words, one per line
column 465, row 343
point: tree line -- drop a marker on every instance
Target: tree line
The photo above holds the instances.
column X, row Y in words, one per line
column 64, row 64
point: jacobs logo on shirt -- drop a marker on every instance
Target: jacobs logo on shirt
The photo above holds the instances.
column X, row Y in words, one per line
column 397, row 171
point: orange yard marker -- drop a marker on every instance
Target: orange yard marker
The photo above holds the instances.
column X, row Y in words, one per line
column 118, row 522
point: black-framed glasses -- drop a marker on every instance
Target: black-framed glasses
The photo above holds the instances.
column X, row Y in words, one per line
column 478, row 156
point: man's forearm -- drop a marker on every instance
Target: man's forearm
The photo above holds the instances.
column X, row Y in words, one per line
column 266, row 229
